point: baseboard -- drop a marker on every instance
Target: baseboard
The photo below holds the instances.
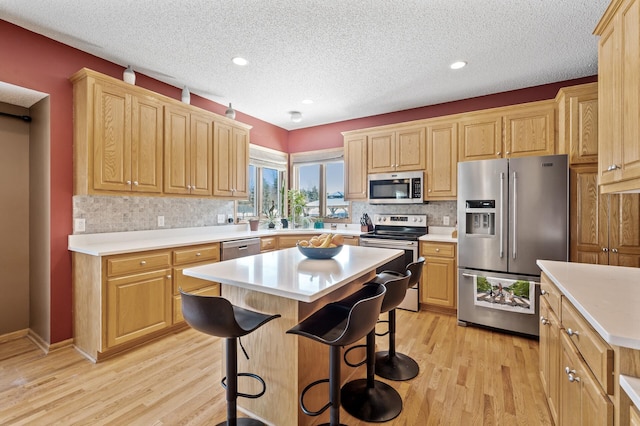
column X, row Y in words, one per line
column 46, row 346
column 14, row 335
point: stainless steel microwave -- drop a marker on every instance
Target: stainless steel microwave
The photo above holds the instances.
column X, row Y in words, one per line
column 396, row 188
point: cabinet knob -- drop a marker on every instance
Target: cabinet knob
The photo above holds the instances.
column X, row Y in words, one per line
column 605, row 249
column 498, row 153
column 568, row 370
column 429, row 190
column 571, row 332
column 188, row 186
column 508, row 152
column 168, row 277
column 615, row 250
column 437, row 250
column 613, row 167
column 573, row 378
column 143, row 262
column 543, row 292
column 543, row 320
column 198, row 254
column 135, row 182
column 128, row 182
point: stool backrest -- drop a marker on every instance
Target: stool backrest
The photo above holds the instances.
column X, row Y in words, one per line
column 396, row 291
column 416, row 271
column 363, row 316
column 211, row 315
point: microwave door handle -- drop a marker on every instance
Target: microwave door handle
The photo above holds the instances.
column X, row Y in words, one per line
column 515, row 214
column 501, row 214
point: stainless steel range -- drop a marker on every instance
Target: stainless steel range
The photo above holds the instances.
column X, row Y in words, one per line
column 400, row 232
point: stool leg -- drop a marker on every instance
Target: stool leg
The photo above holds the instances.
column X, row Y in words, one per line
column 232, row 380
column 392, row 365
column 334, row 385
column 369, row 399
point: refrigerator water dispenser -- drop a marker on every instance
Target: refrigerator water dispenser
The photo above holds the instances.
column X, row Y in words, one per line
column 481, row 217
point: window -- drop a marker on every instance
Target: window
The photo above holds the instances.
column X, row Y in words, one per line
column 267, row 183
column 319, row 175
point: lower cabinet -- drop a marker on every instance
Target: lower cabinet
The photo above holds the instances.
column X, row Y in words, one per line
column 268, row 244
column 549, row 353
column 438, row 281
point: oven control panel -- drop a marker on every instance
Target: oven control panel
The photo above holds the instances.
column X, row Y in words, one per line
column 400, row 219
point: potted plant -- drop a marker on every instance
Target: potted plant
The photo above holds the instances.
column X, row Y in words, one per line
column 297, row 203
column 271, row 215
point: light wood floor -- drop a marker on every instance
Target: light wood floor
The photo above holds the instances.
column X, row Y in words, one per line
column 468, row 376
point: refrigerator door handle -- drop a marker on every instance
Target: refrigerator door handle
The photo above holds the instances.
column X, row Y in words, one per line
column 501, row 214
column 515, row 215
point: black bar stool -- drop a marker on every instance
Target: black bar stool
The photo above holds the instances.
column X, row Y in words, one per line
column 216, row 316
column 338, row 324
column 391, row 364
column 369, row 399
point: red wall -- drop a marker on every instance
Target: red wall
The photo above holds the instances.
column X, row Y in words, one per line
column 329, row 135
column 32, row 61
column 36, row 62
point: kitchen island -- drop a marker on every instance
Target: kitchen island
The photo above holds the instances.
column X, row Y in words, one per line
column 287, row 283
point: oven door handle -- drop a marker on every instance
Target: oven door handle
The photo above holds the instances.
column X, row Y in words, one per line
column 391, row 243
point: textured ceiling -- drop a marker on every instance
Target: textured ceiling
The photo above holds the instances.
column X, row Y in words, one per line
column 353, row 58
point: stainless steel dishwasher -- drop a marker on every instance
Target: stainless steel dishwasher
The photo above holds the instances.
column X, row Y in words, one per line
column 240, row 248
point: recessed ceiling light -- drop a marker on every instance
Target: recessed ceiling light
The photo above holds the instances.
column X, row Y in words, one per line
column 457, row 65
column 307, row 101
column 296, row 116
column 240, row 61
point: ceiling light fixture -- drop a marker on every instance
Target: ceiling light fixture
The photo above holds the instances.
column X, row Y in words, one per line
column 239, row 61
column 230, row 112
column 457, row 65
column 129, row 76
column 296, row 116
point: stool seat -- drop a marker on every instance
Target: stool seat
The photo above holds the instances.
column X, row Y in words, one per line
column 338, row 324
column 216, row 316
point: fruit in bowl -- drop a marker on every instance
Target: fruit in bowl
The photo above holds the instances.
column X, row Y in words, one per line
column 323, row 246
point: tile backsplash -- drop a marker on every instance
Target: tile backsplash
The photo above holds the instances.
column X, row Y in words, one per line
column 129, row 213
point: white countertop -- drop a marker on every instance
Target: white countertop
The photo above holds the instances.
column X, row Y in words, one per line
column 631, row 386
column 607, row 296
column 440, row 233
column 110, row 243
column 288, row 273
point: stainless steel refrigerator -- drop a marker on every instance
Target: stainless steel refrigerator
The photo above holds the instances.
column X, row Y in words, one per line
column 511, row 212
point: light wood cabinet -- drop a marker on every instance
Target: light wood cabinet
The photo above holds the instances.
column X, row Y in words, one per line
column 442, row 161
column 516, row 131
column 634, row 416
column 138, row 296
column 355, row 171
column 578, row 123
column 619, row 97
column 188, row 151
column 392, row 150
column 231, row 154
column 605, row 228
column 268, row 244
column 438, row 280
column 118, row 137
column 549, row 350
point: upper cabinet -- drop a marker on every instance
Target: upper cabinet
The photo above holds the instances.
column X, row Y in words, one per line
column 578, row 123
column 355, row 171
column 131, row 140
column 619, row 97
column 442, row 160
column 188, row 153
column 515, row 131
column 118, row 138
column 231, row 151
column 392, row 150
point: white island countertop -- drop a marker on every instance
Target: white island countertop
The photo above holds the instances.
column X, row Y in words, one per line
column 607, row 296
column 288, row 273
column 110, row 243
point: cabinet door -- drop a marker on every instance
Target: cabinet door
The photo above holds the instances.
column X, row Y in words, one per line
column 240, row 163
column 549, row 356
column 530, row 130
column 410, row 149
column 608, row 104
column 137, row 305
column 589, row 212
column 438, row 278
column 201, row 154
column 381, row 152
column 223, row 155
column 583, row 131
column 480, row 137
column 630, row 108
column 442, row 161
column 624, row 232
column 177, row 150
column 146, row 144
column 111, row 138
column 355, row 171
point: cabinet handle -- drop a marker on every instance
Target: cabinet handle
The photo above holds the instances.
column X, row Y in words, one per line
column 613, row 167
column 135, row 182
column 605, row 249
column 573, row 378
column 571, row 332
column 614, row 250
column 543, row 320
column 143, row 262
column 543, row 293
column 568, row 371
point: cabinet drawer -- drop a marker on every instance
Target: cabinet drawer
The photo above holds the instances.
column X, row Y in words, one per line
column 351, row 240
column 595, row 351
column 196, row 254
column 549, row 291
column 141, row 262
column 186, row 283
column 438, row 249
column 213, row 290
column 291, row 240
column 268, row 243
